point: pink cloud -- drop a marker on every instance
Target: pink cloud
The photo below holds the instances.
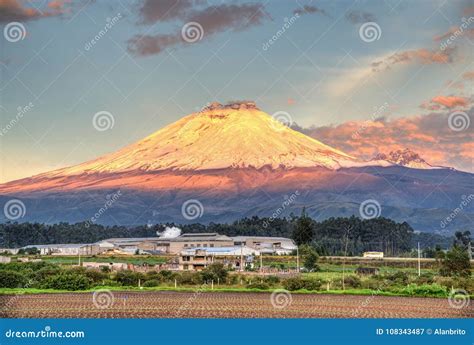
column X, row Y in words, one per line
column 446, row 102
column 422, row 56
column 428, row 135
column 450, row 101
column 14, row 10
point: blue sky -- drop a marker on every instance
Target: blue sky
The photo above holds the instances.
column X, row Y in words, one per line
column 319, row 70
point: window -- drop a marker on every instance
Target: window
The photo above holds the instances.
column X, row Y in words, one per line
column 185, row 245
column 186, row 267
column 211, row 245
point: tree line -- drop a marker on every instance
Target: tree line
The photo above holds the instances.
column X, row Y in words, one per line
column 333, row 236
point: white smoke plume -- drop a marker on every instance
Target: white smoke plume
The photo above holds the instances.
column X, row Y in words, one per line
column 169, row 232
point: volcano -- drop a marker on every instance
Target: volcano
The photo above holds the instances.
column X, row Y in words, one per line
column 235, row 161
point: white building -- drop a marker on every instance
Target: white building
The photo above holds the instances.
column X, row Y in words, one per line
column 5, row 259
column 267, row 245
column 196, row 259
column 66, row 249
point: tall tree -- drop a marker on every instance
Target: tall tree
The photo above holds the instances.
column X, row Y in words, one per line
column 303, row 233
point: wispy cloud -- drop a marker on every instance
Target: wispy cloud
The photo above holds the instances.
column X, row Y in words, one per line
column 421, row 56
column 152, row 11
column 212, row 20
column 14, row 10
column 440, row 102
column 359, row 17
column 308, row 9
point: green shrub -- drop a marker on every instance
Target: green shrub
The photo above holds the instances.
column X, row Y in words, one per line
column 372, row 283
column 312, row 284
column 233, row 279
column 129, row 278
column 152, row 275
column 456, row 263
column 216, row 272
column 67, row 281
column 425, row 278
column 400, row 278
column 271, row 280
column 352, row 282
column 165, row 275
column 96, row 276
column 456, row 283
column 11, row 279
column 151, row 283
column 110, row 282
column 189, row 278
column 424, row 290
column 42, row 274
column 292, row 284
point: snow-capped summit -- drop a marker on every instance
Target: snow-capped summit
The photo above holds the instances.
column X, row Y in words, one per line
column 406, row 158
column 234, row 135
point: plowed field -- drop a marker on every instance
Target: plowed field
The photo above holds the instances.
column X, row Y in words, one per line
column 225, row 305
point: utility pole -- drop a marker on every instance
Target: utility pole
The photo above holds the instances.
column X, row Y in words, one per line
column 419, row 259
column 297, row 260
column 241, row 257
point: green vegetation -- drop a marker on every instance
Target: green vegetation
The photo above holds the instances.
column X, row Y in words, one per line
column 303, row 232
column 309, row 256
column 456, row 263
column 47, row 277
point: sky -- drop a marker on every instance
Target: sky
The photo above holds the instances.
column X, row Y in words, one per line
column 84, row 78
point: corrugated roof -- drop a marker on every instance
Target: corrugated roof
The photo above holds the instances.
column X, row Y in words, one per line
column 236, row 250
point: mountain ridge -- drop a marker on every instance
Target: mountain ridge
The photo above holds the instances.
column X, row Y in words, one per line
column 236, row 161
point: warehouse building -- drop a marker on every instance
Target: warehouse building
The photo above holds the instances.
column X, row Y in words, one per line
column 267, row 245
column 173, row 246
column 66, row 249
